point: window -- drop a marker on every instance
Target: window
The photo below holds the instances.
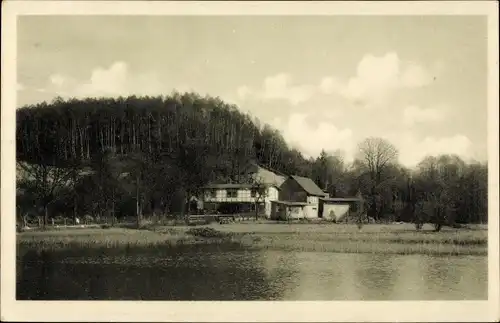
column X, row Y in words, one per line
column 212, row 193
column 232, row 192
column 253, row 193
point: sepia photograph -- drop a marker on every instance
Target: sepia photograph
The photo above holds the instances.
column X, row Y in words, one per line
column 191, row 154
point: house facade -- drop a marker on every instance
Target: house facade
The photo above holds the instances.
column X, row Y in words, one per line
column 231, row 198
column 300, row 197
column 301, row 192
column 239, row 198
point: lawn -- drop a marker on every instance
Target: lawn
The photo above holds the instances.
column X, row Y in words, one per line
column 345, row 238
column 373, row 238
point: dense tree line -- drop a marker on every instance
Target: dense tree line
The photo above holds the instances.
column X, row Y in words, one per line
column 146, row 155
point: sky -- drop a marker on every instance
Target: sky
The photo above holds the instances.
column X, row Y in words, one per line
column 326, row 82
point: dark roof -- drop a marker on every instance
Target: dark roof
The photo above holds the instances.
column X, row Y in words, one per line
column 235, row 185
column 290, row 203
column 308, row 185
column 341, row 199
column 229, row 185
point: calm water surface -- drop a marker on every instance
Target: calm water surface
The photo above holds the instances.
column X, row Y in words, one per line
column 231, row 273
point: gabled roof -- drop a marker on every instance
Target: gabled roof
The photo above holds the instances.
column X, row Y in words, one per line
column 267, row 176
column 235, row 185
column 258, row 173
column 308, row 185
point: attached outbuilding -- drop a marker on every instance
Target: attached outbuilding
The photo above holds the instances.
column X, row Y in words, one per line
column 338, row 209
column 288, row 210
column 302, row 190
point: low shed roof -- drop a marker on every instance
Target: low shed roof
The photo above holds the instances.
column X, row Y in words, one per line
column 235, row 185
column 341, row 199
column 290, row 203
column 228, row 185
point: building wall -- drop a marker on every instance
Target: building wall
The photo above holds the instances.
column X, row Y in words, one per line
column 297, row 212
column 336, row 211
column 311, row 211
column 313, row 200
column 282, row 212
column 272, row 195
column 243, row 195
column 290, row 190
column 275, row 211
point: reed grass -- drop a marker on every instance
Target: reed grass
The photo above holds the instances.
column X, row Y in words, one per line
column 360, row 246
column 383, row 239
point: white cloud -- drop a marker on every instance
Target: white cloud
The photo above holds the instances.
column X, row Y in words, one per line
column 413, row 115
column 331, row 113
column 243, row 92
column 115, row 80
column 311, row 139
column 329, row 85
column 112, row 80
column 377, row 78
column 276, row 86
column 57, row 80
column 279, row 87
column 412, row 150
column 415, row 76
column 19, row 87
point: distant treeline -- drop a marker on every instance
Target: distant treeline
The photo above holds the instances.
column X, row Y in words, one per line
column 139, row 155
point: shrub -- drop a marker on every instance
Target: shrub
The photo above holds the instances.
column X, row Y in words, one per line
column 207, row 233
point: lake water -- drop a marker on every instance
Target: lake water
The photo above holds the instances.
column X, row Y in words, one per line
column 231, row 273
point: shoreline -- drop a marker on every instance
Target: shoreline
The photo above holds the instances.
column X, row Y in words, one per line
column 375, row 239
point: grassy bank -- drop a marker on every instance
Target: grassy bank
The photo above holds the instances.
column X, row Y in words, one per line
column 394, row 239
column 110, row 238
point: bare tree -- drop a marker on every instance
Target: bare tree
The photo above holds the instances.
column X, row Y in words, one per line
column 360, row 210
column 376, row 155
column 259, row 192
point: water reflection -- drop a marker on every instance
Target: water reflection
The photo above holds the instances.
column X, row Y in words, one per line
column 232, row 273
column 377, row 278
column 410, row 277
column 459, row 279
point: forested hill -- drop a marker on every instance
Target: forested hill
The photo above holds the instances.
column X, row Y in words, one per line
column 183, row 141
column 77, row 131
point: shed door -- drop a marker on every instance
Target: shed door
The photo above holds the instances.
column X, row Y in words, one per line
column 320, row 209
